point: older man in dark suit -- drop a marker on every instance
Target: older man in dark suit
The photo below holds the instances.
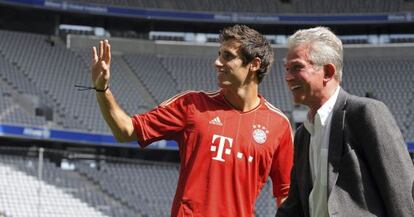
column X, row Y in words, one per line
column 350, row 157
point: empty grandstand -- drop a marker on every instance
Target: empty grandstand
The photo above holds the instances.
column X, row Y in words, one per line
column 265, row 6
column 57, row 155
column 142, row 79
column 85, row 187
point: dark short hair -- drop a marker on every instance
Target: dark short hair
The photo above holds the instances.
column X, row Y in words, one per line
column 253, row 44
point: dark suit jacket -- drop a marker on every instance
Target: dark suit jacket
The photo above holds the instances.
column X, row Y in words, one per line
column 370, row 172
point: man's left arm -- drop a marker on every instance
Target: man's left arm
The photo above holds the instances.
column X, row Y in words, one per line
column 282, row 166
column 388, row 158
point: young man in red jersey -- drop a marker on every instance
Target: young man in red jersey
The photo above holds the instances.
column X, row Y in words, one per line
column 229, row 140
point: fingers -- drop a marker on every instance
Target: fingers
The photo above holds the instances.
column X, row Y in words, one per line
column 107, row 56
column 101, row 58
column 104, row 53
column 101, row 49
column 94, row 55
column 101, row 64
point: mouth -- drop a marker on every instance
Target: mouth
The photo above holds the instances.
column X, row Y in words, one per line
column 221, row 71
column 294, row 87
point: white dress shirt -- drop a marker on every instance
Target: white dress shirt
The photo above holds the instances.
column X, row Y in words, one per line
column 318, row 157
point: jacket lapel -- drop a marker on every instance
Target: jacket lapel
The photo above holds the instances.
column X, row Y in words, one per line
column 336, row 139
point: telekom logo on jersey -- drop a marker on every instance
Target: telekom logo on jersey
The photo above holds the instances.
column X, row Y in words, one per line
column 224, row 147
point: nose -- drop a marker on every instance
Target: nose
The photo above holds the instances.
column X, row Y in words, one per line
column 217, row 62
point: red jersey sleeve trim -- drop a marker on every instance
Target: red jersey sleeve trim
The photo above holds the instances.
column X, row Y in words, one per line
column 137, row 123
column 172, row 99
column 284, row 190
column 276, row 110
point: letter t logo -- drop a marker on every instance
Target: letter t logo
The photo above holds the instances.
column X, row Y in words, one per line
column 221, row 145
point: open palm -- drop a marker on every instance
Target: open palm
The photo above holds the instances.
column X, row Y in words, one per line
column 100, row 67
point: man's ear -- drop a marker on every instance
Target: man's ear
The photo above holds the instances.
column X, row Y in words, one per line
column 255, row 64
column 329, row 71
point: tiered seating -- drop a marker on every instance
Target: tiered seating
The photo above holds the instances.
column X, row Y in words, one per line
column 24, row 195
column 130, row 189
column 72, row 184
column 16, row 78
column 267, row 6
column 191, row 72
column 389, row 80
column 265, row 203
column 326, row 6
column 275, row 90
column 151, row 187
column 51, row 69
column 198, row 73
column 19, row 116
column 13, row 113
column 410, row 119
column 122, row 85
column 148, row 188
column 263, row 6
column 160, row 84
column 51, row 75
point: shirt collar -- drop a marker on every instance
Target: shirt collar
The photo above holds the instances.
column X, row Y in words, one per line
column 323, row 112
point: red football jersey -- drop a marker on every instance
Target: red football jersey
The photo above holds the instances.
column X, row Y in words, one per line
column 226, row 155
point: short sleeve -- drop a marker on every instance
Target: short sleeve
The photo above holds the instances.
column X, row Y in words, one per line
column 164, row 121
column 282, row 164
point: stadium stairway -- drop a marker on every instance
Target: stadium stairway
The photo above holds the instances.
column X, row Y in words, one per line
column 137, row 82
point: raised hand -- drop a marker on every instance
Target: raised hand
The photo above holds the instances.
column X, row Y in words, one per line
column 100, row 68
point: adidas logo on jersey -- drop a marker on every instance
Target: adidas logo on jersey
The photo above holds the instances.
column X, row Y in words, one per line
column 216, row 121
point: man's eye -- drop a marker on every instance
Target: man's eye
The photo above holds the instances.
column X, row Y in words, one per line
column 228, row 56
column 295, row 68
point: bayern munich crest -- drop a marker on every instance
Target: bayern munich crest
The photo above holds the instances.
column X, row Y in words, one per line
column 260, row 133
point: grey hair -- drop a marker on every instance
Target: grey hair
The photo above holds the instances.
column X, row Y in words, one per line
column 326, row 47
